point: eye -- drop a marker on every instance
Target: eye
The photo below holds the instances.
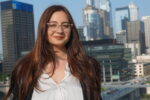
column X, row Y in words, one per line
column 52, row 25
column 66, row 25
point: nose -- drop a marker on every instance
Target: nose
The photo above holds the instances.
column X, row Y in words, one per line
column 59, row 29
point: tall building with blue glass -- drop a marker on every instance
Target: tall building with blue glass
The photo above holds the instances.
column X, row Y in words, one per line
column 92, row 22
column 103, row 4
column 17, row 21
column 122, row 16
column 97, row 20
column 105, row 12
column 125, row 14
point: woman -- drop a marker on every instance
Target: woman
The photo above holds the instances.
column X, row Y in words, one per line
column 57, row 67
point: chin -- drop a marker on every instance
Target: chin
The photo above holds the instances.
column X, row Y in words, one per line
column 59, row 44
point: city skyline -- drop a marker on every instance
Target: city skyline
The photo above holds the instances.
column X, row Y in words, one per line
column 77, row 12
column 124, row 60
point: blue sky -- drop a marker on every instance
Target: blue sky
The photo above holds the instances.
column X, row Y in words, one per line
column 76, row 7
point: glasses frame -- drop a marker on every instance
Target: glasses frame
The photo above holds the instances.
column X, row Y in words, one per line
column 58, row 26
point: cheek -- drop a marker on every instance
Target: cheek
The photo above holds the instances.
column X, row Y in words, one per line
column 68, row 34
column 49, row 34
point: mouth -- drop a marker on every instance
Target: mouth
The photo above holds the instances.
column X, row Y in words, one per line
column 59, row 37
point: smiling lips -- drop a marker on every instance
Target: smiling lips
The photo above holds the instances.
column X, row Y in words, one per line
column 59, row 37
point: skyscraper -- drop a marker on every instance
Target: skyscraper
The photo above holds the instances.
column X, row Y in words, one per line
column 122, row 16
column 91, row 22
column 97, row 20
column 135, row 34
column 133, row 11
column 106, row 28
column 103, row 4
column 17, row 31
column 90, row 3
column 105, row 12
column 146, row 20
column 125, row 14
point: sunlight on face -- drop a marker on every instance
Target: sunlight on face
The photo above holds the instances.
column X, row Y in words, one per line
column 59, row 29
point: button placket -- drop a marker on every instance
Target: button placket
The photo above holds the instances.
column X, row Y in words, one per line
column 60, row 91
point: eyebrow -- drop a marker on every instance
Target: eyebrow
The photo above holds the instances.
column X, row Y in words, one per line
column 57, row 22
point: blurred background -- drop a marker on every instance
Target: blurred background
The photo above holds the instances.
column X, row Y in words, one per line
column 115, row 32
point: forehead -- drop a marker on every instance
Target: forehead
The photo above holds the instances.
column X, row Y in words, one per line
column 59, row 16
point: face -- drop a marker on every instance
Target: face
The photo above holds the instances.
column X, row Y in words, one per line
column 59, row 29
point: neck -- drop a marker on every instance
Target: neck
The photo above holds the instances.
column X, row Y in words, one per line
column 60, row 53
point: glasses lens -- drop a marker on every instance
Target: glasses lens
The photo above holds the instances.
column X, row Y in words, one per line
column 66, row 25
column 54, row 26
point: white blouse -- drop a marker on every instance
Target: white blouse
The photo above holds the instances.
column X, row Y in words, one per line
column 68, row 89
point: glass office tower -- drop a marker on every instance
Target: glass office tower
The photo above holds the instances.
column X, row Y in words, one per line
column 91, row 22
column 103, row 4
column 122, row 15
column 17, row 31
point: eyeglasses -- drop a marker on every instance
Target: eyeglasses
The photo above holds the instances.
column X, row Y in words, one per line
column 54, row 26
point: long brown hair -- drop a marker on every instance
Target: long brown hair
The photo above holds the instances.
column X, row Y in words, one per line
column 28, row 69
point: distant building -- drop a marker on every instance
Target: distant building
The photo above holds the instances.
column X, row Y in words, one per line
column 142, row 66
column 103, row 4
column 0, row 66
column 135, row 48
column 1, row 56
column 97, row 20
column 121, row 37
column 142, row 69
column 135, row 34
column 146, row 20
column 81, row 33
column 112, row 57
column 134, row 11
column 106, row 28
column 125, row 14
column 17, row 31
column 90, row 3
column 122, row 16
column 91, row 23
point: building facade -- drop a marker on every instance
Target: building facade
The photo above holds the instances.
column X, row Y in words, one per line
column 121, row 37
column 90, row 3
column 141, row 66
column 112, row 57
column 122, row 16
column 91, row 23
column 17, row 32
column 134, row 11
column 142, row 69
column 135, row 48
column 106, row 28
column 135, row 34
column 81, row 33
column 103, row 4
column 146, row 20
column 97, row 20
column 1, row 66
column 125, row 14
